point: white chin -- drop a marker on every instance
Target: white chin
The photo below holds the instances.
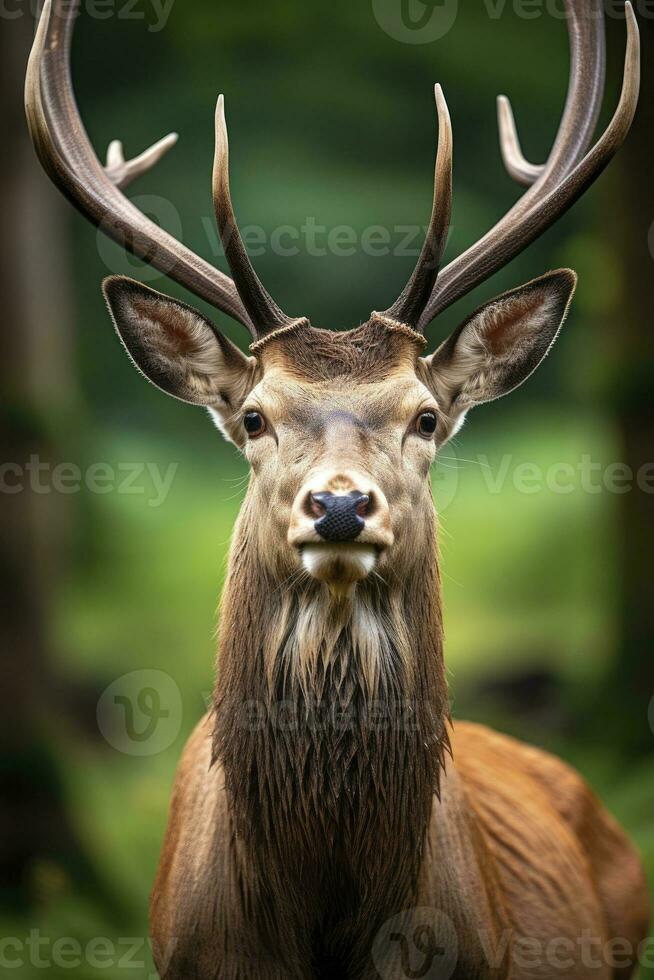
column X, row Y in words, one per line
column 340, row 566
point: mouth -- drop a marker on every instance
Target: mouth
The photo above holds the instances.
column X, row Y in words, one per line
column 340, row 566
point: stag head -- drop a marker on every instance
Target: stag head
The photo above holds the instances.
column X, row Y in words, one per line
column 340, row 428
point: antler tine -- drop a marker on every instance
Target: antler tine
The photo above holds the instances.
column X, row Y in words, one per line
column 262, row 309
column 122, row 172
column 67, row 156
column 517, row 166
column 543, row 204
column 583, row 102
column 410, row 304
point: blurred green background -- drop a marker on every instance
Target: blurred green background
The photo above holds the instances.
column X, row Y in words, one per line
column 548, row 600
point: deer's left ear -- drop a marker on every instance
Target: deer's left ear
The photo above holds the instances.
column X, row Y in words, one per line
column 497, row 349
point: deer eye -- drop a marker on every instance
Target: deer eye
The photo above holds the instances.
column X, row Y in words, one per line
column 426, row 424
column 255, row 424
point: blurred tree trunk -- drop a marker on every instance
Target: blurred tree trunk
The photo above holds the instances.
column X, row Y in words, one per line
column 36, row 386
column 631, row 681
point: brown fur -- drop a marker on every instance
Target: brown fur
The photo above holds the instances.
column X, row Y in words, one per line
column 370, row 352
column 324, row 822
column 338, row 852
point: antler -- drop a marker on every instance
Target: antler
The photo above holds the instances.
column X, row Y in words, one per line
column 570, row 169
column 562, row 183
column 264, row 312
column 68, row 157
column 122, row 172
column 583, row 103
column 411, row 303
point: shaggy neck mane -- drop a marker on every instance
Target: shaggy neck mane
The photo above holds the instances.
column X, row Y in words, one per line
column 330, row 726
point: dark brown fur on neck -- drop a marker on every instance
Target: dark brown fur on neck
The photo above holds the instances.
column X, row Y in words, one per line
column 330, row 787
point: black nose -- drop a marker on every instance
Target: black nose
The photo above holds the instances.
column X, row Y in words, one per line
column 342, row 515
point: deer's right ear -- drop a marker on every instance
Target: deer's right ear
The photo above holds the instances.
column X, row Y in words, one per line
column 179, row 350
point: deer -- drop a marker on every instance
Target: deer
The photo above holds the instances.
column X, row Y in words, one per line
column 329, row 817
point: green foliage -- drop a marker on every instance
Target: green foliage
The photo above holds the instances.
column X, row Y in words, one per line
column 333, row 120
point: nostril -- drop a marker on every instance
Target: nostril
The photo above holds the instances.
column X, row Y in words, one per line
column 316, row 506
column 364, row 506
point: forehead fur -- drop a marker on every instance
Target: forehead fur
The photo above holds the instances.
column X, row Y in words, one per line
column 369, row 353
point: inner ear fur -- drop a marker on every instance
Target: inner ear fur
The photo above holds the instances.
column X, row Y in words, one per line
column 500, row 345
column 177, row 348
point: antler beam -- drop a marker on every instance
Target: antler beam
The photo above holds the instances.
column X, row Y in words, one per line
column 553, row 187
column 583, row 104
column 66, row 153
column 563, row 182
